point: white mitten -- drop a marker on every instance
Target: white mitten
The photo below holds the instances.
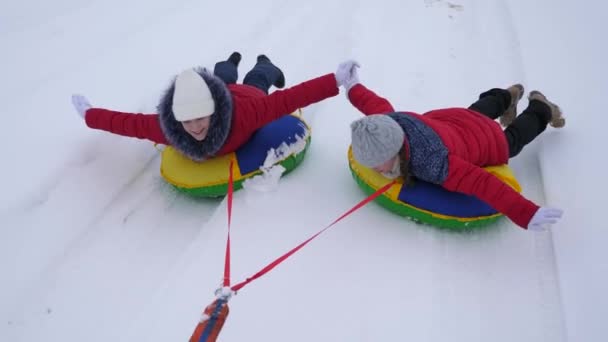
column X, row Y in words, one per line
column 352, row 80
column 81, row 104
column 544, row 218
column 346, row 75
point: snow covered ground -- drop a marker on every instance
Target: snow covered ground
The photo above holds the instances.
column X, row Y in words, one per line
column 95, row 246
column 562, row 50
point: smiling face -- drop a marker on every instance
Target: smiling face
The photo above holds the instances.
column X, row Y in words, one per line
column 197, row 128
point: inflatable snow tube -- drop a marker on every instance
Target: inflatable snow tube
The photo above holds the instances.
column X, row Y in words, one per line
column 283, row 141
column 430, row 203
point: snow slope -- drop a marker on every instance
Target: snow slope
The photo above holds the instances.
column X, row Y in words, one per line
column 95, row 246
column 570, row 65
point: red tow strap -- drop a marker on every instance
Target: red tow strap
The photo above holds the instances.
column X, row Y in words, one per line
column 210, row 326
column 282, row 258
column 227, row 258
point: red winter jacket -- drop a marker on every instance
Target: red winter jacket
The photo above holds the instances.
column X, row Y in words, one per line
column 251, row 109
column 473, row 141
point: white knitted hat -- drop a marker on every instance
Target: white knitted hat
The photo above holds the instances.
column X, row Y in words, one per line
column 192, row 98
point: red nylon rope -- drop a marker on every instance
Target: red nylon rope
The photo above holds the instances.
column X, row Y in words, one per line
column 227, row 258
column 282, row 258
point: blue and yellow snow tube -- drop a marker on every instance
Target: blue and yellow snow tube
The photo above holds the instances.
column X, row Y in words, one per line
column 430, row 203
column 210, row 178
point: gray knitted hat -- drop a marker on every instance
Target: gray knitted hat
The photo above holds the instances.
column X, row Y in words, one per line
column 376, row 139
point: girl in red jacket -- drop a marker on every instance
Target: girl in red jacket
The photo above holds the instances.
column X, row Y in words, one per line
column 204, row 115
column 451, row 146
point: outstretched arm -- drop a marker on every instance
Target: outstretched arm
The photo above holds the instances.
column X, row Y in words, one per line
column 367, row 101
column 269, row 108
column 142, row 126
column 472, row 180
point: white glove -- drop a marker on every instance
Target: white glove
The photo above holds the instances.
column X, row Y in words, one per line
column 81, row 104
column 543, row 218
column 346, row 75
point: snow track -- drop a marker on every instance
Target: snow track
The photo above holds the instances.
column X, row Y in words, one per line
column 98, row 248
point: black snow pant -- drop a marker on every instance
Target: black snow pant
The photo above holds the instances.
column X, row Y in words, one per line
column 526, row 126
column 263, row 75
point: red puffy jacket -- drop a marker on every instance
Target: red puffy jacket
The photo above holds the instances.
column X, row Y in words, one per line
column 251, row 109
column 473, row 141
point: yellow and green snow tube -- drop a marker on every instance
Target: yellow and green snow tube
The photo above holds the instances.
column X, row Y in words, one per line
column 430, row 203
column 288, row 137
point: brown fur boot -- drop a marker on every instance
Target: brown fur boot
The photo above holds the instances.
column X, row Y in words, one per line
column 557, row 118
column 517, row 92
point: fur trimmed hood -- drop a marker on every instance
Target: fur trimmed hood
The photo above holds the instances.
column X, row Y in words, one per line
column 219, row 127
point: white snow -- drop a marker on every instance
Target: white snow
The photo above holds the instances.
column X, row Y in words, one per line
column 204, row 317
column 566, row 56
column 224, row 292
column 268, row 181
column 95, row 246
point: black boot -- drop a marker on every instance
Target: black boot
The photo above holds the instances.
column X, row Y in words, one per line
column 235, row 58
column 280, row 82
